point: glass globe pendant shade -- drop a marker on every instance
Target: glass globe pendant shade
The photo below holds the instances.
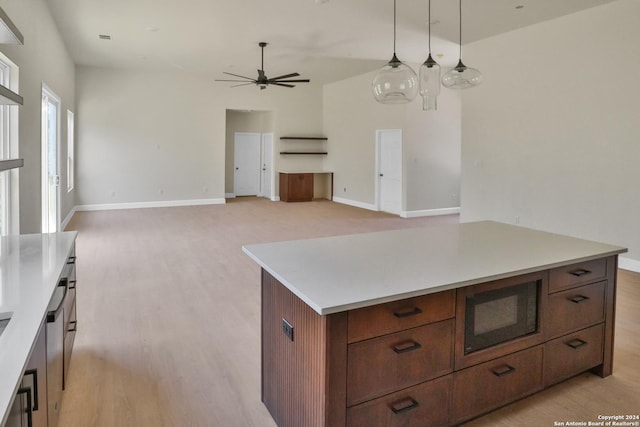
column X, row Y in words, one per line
column 461, row 77
column 395, row 83
column 430, row 84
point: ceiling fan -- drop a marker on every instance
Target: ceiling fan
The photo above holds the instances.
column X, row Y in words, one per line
column 263, row 81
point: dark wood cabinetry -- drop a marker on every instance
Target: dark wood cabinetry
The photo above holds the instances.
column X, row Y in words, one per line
column 296, row 187
column 403, row 363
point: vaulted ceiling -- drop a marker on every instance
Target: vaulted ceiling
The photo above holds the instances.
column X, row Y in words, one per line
column 324, row 40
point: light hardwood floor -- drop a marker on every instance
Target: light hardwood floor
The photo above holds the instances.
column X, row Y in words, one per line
column 169, row 319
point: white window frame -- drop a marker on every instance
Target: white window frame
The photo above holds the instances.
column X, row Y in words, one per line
column 70, row 150
column 9, row 150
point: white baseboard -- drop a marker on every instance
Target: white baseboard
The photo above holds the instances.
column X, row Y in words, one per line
column 229, row 195
column 430, row 212
column 158, row 204
column 355, row 203
column 629, row 264
column 68, row 218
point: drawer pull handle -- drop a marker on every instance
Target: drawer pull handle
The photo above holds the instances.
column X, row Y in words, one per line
column 71, row 260
column 27, row 392
column 576, row 344
column 407, row 312
column 578, row 299
column 34, row 374
column 406, row 346
column 503, row 370
column 580, row 272
column 404, row 405
column 73, row 326
column 72, row 284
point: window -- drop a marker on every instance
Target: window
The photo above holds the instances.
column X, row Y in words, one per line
column 70, row 150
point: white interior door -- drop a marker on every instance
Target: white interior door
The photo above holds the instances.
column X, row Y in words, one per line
column 267, row 165
column 50, row 176
column 389, row 170
column 247, row 164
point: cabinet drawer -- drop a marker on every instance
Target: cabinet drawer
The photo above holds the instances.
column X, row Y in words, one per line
column 495, row 383
column 574, row 353
column 576, row 309
column 369, row 322
column 576, row 274
column 423, row 405
column 386, row 364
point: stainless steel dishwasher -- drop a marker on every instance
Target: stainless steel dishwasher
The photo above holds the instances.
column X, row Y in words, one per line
column 55, row 351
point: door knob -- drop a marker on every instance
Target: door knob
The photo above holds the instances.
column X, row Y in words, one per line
column 381, row 174
column 237, row 168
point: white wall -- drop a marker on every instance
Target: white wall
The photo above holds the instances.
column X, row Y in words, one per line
column 552, row 136
column 431, row 144
column 154, row 137
column 42, row 58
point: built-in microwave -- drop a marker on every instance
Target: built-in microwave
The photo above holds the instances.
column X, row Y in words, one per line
column 500, row 315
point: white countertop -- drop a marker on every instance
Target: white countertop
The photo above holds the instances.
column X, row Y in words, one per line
column 335, row 274
column 30, row 266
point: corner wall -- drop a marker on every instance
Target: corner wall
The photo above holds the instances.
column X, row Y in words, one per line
column 431, row 144
column 550, row 139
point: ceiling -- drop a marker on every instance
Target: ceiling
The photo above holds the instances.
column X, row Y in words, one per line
column 324, row 40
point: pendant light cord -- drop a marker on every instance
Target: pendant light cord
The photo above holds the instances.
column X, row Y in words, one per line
column 429, row 27
column 394, row 27
column 460, row 32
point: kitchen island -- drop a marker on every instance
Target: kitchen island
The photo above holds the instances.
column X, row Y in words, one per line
column 378, row 328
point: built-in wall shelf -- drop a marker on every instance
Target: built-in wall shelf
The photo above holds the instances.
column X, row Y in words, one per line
column 11, row 164
column 9, row 33
column 306, row 138
column 304, row 152
column 9, row 97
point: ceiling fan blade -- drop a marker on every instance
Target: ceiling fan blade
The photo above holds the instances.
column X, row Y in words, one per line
column 237, row 75
column 251, row 82
column 281, row 84
column 243, row 84
column 286, row 76
column 290, row 81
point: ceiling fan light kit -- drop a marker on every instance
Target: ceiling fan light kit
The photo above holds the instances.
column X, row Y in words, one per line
column 263, row 81
column 396, row 82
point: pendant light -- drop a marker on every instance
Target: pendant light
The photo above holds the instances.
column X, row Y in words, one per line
column 396, row 82
column 429, row 78
column 461, row 77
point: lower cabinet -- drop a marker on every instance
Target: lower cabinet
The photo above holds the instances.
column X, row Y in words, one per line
column 296, row 187
column 30, row 405
column 396, row 363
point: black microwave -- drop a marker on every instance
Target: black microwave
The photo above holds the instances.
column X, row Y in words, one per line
column 500, row 315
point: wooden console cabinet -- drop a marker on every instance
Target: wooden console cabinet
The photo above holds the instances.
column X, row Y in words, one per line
column 400, row 363
column 296, row 187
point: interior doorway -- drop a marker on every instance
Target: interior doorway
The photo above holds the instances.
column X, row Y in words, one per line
column 50, row 147
column 261, row 159
column 389, row 170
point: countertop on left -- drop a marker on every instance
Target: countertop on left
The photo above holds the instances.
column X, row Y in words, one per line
column 30, row 266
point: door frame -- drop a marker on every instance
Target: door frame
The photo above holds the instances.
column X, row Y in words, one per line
column 378, row 189
column 49, row 93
